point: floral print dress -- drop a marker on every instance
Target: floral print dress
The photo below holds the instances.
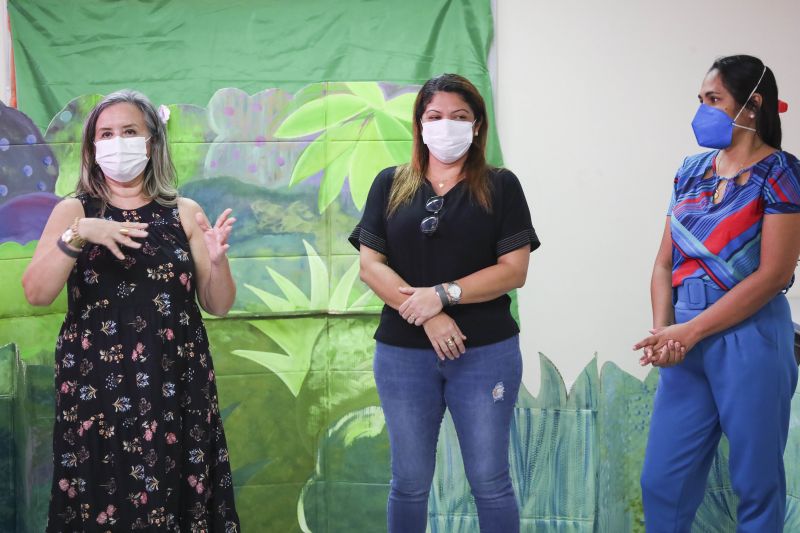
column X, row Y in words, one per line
column 138, row 441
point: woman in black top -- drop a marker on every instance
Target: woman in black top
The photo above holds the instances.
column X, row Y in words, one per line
column 447, row 231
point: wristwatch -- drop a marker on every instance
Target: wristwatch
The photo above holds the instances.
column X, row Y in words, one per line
column 71, row 236
column 453, row 292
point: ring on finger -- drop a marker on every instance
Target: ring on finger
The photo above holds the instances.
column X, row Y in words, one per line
column 124, row 231
column 450, row 342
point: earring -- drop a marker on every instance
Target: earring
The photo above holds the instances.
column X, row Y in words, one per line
column 752, row 115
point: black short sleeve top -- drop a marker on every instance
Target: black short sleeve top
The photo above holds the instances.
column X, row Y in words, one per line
column 467, row 239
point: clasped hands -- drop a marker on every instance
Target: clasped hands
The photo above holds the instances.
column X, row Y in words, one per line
column 666, row 346
column 423, row 307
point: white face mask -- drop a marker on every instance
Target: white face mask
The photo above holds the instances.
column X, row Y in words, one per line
column 447, row 139
column 122, row 158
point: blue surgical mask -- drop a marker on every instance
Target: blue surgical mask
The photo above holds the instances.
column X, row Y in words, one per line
column 713, row 128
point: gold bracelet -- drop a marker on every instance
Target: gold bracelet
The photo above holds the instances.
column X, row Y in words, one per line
column 77, row 241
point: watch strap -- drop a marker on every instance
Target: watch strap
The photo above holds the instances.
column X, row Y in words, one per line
column 67, row 250
column 442, row 295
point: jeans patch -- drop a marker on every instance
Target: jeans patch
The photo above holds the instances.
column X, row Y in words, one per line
column 498, row 391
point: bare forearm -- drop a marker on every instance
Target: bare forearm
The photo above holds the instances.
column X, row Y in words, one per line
column 661, row 297
column 491, row 282
column 46, row 275
column 384, row 282
column 220, row 290
column 739, row 303
column 50, row 267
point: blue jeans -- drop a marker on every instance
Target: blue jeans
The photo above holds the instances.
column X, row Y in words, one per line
column 738, row 382
column 480, row 389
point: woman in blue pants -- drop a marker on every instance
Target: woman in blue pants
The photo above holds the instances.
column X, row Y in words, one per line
column 722, row 330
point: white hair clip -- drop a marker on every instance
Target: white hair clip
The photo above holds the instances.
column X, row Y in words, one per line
column 163, row 114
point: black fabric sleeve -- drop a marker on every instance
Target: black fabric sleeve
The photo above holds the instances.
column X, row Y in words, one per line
column 371, row 230
column 516, row 229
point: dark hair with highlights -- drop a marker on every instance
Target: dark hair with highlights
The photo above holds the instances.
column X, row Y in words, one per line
column 409, row 178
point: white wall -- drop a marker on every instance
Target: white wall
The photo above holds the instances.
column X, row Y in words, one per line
column 594, row 104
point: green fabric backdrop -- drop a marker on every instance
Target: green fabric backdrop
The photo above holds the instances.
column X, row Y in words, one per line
column 184, row 50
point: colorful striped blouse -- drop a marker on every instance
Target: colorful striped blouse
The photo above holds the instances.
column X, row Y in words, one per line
column 721, row 243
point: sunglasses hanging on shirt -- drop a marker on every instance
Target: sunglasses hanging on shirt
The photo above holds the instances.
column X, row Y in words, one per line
column 430, row 223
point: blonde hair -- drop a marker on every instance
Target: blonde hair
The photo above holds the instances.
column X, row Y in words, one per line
column 408, row 178
column 159, row 174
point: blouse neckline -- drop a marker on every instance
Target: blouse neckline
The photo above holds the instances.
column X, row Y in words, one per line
column 140, row 208
column 436, row 193
column 713, row 167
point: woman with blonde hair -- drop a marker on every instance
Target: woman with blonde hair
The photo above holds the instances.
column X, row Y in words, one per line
column 138, row 442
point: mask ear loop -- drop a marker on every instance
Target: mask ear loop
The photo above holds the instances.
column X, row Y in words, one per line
column 735, row 125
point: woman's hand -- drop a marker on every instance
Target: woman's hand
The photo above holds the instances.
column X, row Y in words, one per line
column 422, row 304
column 667, row 346
column 216, row 290
column 445, row 336
column 216, row 237
column 112, row 234
column 670, row 354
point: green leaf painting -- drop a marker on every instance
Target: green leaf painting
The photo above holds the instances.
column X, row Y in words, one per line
column 359, row 133
column 294, row 300
column 297, row 338
column 321, row 114
column 369, row 92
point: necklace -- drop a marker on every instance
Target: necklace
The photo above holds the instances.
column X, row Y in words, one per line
column 442, row 183
column 721, row 186
column 722, row 182
column 449, row 179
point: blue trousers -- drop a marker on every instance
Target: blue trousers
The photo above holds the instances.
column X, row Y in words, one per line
column 738, row 382
column 480, row 389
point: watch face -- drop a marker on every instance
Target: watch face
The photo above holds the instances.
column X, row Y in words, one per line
column 67, row 235
column 454, row 291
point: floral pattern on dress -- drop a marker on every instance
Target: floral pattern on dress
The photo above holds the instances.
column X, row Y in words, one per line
column 138, row 443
